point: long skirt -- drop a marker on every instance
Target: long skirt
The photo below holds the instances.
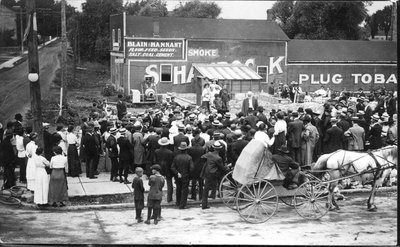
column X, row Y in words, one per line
column 74, row 163
column 30, row 174
column 41, row 186
column 58, row 190
column 280, row 139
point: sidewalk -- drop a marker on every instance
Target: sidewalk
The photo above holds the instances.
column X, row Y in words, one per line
column 10, row 63
column 83, row 186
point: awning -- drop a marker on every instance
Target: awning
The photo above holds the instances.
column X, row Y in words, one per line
column 227, row 71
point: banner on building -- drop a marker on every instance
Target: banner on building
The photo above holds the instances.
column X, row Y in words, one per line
column 155, row 49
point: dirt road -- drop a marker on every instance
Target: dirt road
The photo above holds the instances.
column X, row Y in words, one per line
column 14, row 84
column 352, row 225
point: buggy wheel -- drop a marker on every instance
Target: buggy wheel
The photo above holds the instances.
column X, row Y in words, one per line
column 311, row 200
column 257, row 202
column 228, row 189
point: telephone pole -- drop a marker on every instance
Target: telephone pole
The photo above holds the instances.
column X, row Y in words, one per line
column 63, row 94
column 33, row 65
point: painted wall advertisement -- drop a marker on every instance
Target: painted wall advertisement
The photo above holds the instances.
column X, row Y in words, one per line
column 155, row 49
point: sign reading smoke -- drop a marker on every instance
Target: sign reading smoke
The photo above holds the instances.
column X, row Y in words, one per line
column 155, row 49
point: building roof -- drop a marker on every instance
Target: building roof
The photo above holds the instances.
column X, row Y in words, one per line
column 203, row 28
column 341, row 51
column 224, row 71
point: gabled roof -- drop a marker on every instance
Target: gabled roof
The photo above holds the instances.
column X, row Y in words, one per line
column 202, row 28
column 342, row 51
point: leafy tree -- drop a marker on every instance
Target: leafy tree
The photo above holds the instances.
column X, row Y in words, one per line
column 154, row 8
column 372, row 24
column 320, row 20
column 197, row 9
column 94, row 28
column 9, row 3
column 384, row 19
column 134, row 8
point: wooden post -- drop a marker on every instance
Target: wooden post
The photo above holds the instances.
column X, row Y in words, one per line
column 63, row 52
column 33, row 65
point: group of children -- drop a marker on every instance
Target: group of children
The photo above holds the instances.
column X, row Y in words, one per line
column 156, row 182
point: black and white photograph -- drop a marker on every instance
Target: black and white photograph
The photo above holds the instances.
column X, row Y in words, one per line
column 198, row 122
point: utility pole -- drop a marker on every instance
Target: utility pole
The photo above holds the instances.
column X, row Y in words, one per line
column 33, row 65
column 63, row 94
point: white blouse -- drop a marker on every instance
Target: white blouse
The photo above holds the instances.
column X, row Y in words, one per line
column 41, row 161
column 59, row 161
column 31, row 149
column 264, row 138
column 280, row 126
column 71, row 138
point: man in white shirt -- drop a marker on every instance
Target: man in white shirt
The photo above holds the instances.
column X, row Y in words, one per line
column 21, row 154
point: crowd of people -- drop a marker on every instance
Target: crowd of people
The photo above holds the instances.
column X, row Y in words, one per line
column 193, row 146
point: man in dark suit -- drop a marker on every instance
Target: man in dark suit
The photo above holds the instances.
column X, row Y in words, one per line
column 333, row 138
column 125, row 156
column 249, row 104
column 261, row 116
column 157, row 119
column 343, row 123
column 121, row 107
column 375, row 133
column 196, row 151
column 164, row 158
column 294, row 137
column 252, row 119
column 238, row 146
column 111, row 145
column 391, row 104
column 90, row 149
column 178, row 139
column 151, row 143
column 182, row 166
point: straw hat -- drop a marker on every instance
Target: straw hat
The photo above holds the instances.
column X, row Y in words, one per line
column 163, row 141
column 183, row 146
column 217, row 145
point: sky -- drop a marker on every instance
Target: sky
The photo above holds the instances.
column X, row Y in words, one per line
column 240, row 9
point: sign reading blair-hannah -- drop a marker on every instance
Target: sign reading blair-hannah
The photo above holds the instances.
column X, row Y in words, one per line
column 155, row 49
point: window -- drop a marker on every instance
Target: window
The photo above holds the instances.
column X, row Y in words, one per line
column 113, row 35
column 166, row 72
column 263, row 72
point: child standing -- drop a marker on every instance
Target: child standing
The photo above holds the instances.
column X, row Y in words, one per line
column 138, row 193
column 156, row 183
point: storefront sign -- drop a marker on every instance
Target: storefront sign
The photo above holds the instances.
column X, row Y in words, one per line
column 202, row 52
column 338, row 78
column 155, row 49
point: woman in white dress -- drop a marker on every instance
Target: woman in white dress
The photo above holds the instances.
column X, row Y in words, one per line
column 41, row 178
column 30, row 166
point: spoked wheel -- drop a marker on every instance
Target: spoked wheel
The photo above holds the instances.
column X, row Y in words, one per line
column 228, row 189
column 257, row 202
column 311, row 200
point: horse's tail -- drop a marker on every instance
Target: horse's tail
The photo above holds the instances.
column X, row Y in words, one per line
column 321, row 164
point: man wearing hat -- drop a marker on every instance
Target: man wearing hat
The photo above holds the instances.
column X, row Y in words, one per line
column 47, row 142
column 355, row 136
column 181, row 167
column 178, row 139
column 151, row 144
column 164, row 157
column 213, row 168
column 294, row 130
column 18, row 121
column 249, row 104
column 287, row 165
column 90, row 148
column 260, row 115
column 375, row 133
column 7, row 157
column 112, row 148
column 121, row 107
column 237, row 146
column 125, row 156
column 196, row 151
column 333, row 138
column 342, row 123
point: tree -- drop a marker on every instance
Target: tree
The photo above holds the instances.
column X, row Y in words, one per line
column 197, row 9
column 384, row 19
column 134, row 8
column 9, row 3
column 372, row 24
column 320, row 20
column 154, row 8
column 94, row 23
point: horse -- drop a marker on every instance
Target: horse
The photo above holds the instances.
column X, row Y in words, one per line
column 375, row 165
